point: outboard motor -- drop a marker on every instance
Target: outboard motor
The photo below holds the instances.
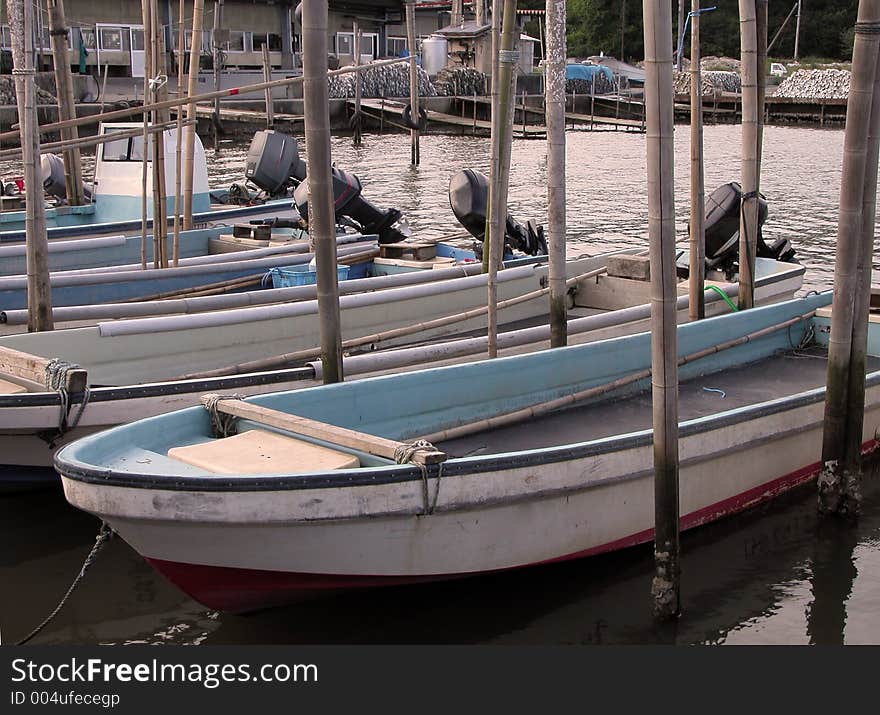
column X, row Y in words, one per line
column 722, row 229
column 354, row 209
column 273, row 162
column 469, row 199
column 54, row 184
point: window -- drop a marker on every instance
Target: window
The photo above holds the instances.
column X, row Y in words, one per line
column 206, row 41
column 126, row 149
column 5, row 36
column 137, row 40
column 235, row 42
column 395, row 46
column 344, row 43
column 116, row 150
column 110, row 39
column 87, row 37
column 274, row 42
column 137, row 147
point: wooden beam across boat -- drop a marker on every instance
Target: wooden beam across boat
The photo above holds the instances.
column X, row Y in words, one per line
column 34, row 368
column 371, row 444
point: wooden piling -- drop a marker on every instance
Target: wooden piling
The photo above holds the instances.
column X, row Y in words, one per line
column 413, row 80
column 217, row 53
column 841, row 441
column 39, row 290
column 160, row 206
column 748, row 230
column 358, row 80
column 761, row 30
column 697, row 253
column 147, row 19
column 661, row 231
column 178, row 140
column 58, row 38
column 267, row 77
column 192, row 86
column 554, row 92
column 322, row 218
column 500, row 174
column 493, row 157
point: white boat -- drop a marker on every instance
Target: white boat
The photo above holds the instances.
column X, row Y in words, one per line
column 322, row 488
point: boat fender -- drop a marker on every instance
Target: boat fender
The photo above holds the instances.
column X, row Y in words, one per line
column 408, row 121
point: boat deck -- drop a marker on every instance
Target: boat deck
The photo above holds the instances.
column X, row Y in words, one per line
column 779, row 376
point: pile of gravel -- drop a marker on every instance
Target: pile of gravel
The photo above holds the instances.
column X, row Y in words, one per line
column 461, row 82
column 815, row 84
column 603, row 85
column 7, row 93
column 710, row 82
column 382, row 81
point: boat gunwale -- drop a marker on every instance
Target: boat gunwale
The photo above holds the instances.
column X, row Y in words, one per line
column 462, row 466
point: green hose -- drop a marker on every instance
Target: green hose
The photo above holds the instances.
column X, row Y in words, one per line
column 724, row 297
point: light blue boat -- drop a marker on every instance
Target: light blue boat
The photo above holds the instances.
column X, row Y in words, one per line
column 333, row 487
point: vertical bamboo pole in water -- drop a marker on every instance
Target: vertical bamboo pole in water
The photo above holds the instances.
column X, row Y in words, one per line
column 554, row 88
column 697, row 254
column 178, row 141
column 493, row 110
column 267, row 77
column 147, row 18
column 66, row 107
column 748, row 226
column 160, row 206
column 761, row 29
column 321, row 214
column 39, row 290
column 838, row 481
column 192, row 86
column 500, row 174
column 357, row 85
column 413, row 80
column 678, row 34
column 661, row 232
column 217, row 52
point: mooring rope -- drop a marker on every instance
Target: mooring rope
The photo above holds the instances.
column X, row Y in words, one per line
column 104, row 534
column 56, row 379
column 222, row 424
column 404, row 453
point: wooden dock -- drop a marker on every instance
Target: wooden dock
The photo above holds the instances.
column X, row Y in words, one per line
column 244, row 116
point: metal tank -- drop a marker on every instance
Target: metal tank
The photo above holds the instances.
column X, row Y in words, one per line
column 434, row 54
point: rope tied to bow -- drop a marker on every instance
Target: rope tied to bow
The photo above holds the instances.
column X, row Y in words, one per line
column 56, row 374
column 404, row 454
column 222, row 424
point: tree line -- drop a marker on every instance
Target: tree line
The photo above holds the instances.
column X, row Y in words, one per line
column 596, row 26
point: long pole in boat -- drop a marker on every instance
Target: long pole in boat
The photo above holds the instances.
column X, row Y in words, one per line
column 58, row 32
column 160, row 206
column 322, row 223
column 500, row 174
column 838, row 480
column 147, row 18
column 357, row 85
column 413, row 80
column 554, row 89
column 697, row 253
column 178, row 140
column 215, row 40
column 761, row 10
column 267, row 77
column 189, row 146
column 664, row 376
column 493, row 159
column 748, row 223
column 39, row 290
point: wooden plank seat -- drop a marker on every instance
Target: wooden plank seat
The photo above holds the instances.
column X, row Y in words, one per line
column 32, row 368
column 417, row 251
column 352, row 439
column 258, row 451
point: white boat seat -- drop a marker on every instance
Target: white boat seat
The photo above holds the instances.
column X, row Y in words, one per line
column 259, row 451
column 11, row 388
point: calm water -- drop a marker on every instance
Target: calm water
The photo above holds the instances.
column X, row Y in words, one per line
column 773, row 575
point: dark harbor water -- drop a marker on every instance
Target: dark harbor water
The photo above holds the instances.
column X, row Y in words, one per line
column 775, row 574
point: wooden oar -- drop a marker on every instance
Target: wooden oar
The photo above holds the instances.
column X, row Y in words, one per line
column 544, row 407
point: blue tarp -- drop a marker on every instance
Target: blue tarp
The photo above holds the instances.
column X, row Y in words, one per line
column 587, row 71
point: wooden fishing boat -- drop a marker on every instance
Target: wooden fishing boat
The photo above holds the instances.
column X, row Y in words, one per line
column 331, row 487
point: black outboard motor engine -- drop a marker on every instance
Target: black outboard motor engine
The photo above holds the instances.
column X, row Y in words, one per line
column 354, row 209
column 273, row 162
column 54, row 183
column 722, row 229
column 469, row 199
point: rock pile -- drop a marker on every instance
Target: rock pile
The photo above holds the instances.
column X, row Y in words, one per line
column 603, row 85
column 711, row 82
column 7, row 93
column 461, row 81
column 815, row 84
column 383, row 81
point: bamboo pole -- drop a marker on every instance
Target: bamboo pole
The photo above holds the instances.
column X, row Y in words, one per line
column 192, row 86
column 797, row 31
column 147, row 19
column 267, row 77
column 39, row 290
column 217, row 52
column 160, row 205
column 493, row 110
column 697, row 253
column 842, row 436
column 178, row 141
column 172, row 103
column 748, row 227
column 678, row 34
column 58, row 32
column 761, row 29
column 357, row 85
column 500, row 174
column 321, row 213
column 413, row 80
column 554, row 88
column 665, row 587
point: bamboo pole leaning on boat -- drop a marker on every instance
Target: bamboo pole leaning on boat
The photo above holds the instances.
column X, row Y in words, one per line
column 697, row 252
column 322, row 219
column 356, row 128
column 178, row 142
column 39, row 290
column 171, row 103
column 267, row 77
column 413, row 81
column 493, row 109
column 554, row 89
column 146, row 17
column 665, row 587
column 58, row 38
column 841, row 442
column 748, row 231
column 192, row 85
column 499, row 179
column 217, row 53
column 160, row 89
